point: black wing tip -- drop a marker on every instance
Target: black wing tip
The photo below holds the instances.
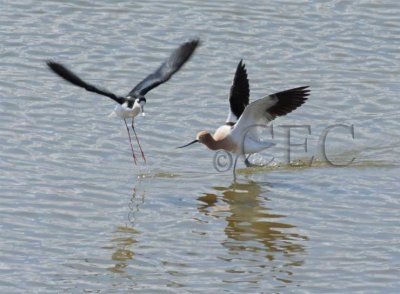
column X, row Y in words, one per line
column 304, row 89
column 192, row 44
column 58, row 68
column 71, row 77
column 50, row 62
column 289, row 100
column 186, row 50
column 241, row 67
column 62, row 71
column 174, row 63
column 240, row 90
column 298, row 92
column 53, row 65
column 241, row 76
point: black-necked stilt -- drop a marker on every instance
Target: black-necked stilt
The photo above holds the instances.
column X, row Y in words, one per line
column 240, row 134
column 133, row 104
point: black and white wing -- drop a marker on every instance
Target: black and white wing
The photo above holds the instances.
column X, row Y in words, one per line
column 258, row 113
column 239, row 94
column 176, row 60
column 71, row 77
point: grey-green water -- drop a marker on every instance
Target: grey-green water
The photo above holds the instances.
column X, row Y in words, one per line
column 77, row 216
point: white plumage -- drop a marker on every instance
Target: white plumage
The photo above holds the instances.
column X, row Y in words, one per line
column 242, row 137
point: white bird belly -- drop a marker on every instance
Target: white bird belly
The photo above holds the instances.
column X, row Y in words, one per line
column 123, row 111
column 251, row 146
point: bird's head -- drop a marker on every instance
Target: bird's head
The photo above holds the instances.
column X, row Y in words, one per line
column 203, row 137
column 141, row 101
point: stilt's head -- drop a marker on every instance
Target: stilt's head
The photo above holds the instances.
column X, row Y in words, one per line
column 203, row 137
column 140, row 103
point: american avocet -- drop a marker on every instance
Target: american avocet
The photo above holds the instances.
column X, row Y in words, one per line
column 133, row 104
column 240, row 134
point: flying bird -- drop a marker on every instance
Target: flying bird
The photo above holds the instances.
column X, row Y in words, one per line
column 240, row 134
column 129, row 106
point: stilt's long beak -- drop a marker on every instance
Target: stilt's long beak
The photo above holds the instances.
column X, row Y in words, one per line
column 142, row 110
column 195, row 141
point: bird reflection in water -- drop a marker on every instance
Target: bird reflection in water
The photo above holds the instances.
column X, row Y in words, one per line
column 125, row 237
column 122, row 245
column 136, row 201
column 253, row 233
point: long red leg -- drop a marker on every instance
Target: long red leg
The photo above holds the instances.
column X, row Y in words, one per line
column 130, row 141
column 137, row 139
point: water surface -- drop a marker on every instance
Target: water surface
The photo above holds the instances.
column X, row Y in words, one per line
column 78, row 216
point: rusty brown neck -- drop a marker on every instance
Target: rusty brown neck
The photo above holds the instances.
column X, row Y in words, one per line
column 209, row 141
column 213, row 144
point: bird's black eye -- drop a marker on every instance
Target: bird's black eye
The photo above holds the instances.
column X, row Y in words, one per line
column 142, row 100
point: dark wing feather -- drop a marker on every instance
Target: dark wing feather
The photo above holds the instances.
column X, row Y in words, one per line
column 69, row 76
column 288, row 100
column 258, row 113
column 166, row 70
column 240, row 91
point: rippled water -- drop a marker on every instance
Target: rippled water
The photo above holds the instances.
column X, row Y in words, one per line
column 78, row 216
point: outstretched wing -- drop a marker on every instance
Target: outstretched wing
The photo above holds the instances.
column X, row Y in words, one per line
column 262, row 111
column 167, row 69
column 239, row 95
column 69, row 76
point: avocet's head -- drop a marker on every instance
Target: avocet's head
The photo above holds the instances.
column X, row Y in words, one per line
column 203, row 137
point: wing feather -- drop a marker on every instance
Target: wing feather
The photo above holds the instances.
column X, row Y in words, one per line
column 71, row 77
column 258, row 113
column 176, row 60
column 239, row 94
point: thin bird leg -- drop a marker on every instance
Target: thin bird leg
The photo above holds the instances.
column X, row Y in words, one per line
column 130, row 141
column 137, row 139
column 234, row 168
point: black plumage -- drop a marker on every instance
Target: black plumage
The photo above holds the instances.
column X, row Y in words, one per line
column 288, row 100
column 175, row 61
column 240, row 91
column 71, row 77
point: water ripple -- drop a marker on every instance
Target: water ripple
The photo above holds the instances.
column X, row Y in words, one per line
column 78, row 216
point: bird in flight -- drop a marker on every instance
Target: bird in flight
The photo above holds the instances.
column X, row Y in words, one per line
column 131, row 105
column 240, row 134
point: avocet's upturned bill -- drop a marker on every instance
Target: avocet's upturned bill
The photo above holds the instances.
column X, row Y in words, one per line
column 241, row 134
column 131, row 105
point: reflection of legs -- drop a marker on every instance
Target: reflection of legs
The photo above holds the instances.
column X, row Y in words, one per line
column 137, row 140
column 130, row 141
